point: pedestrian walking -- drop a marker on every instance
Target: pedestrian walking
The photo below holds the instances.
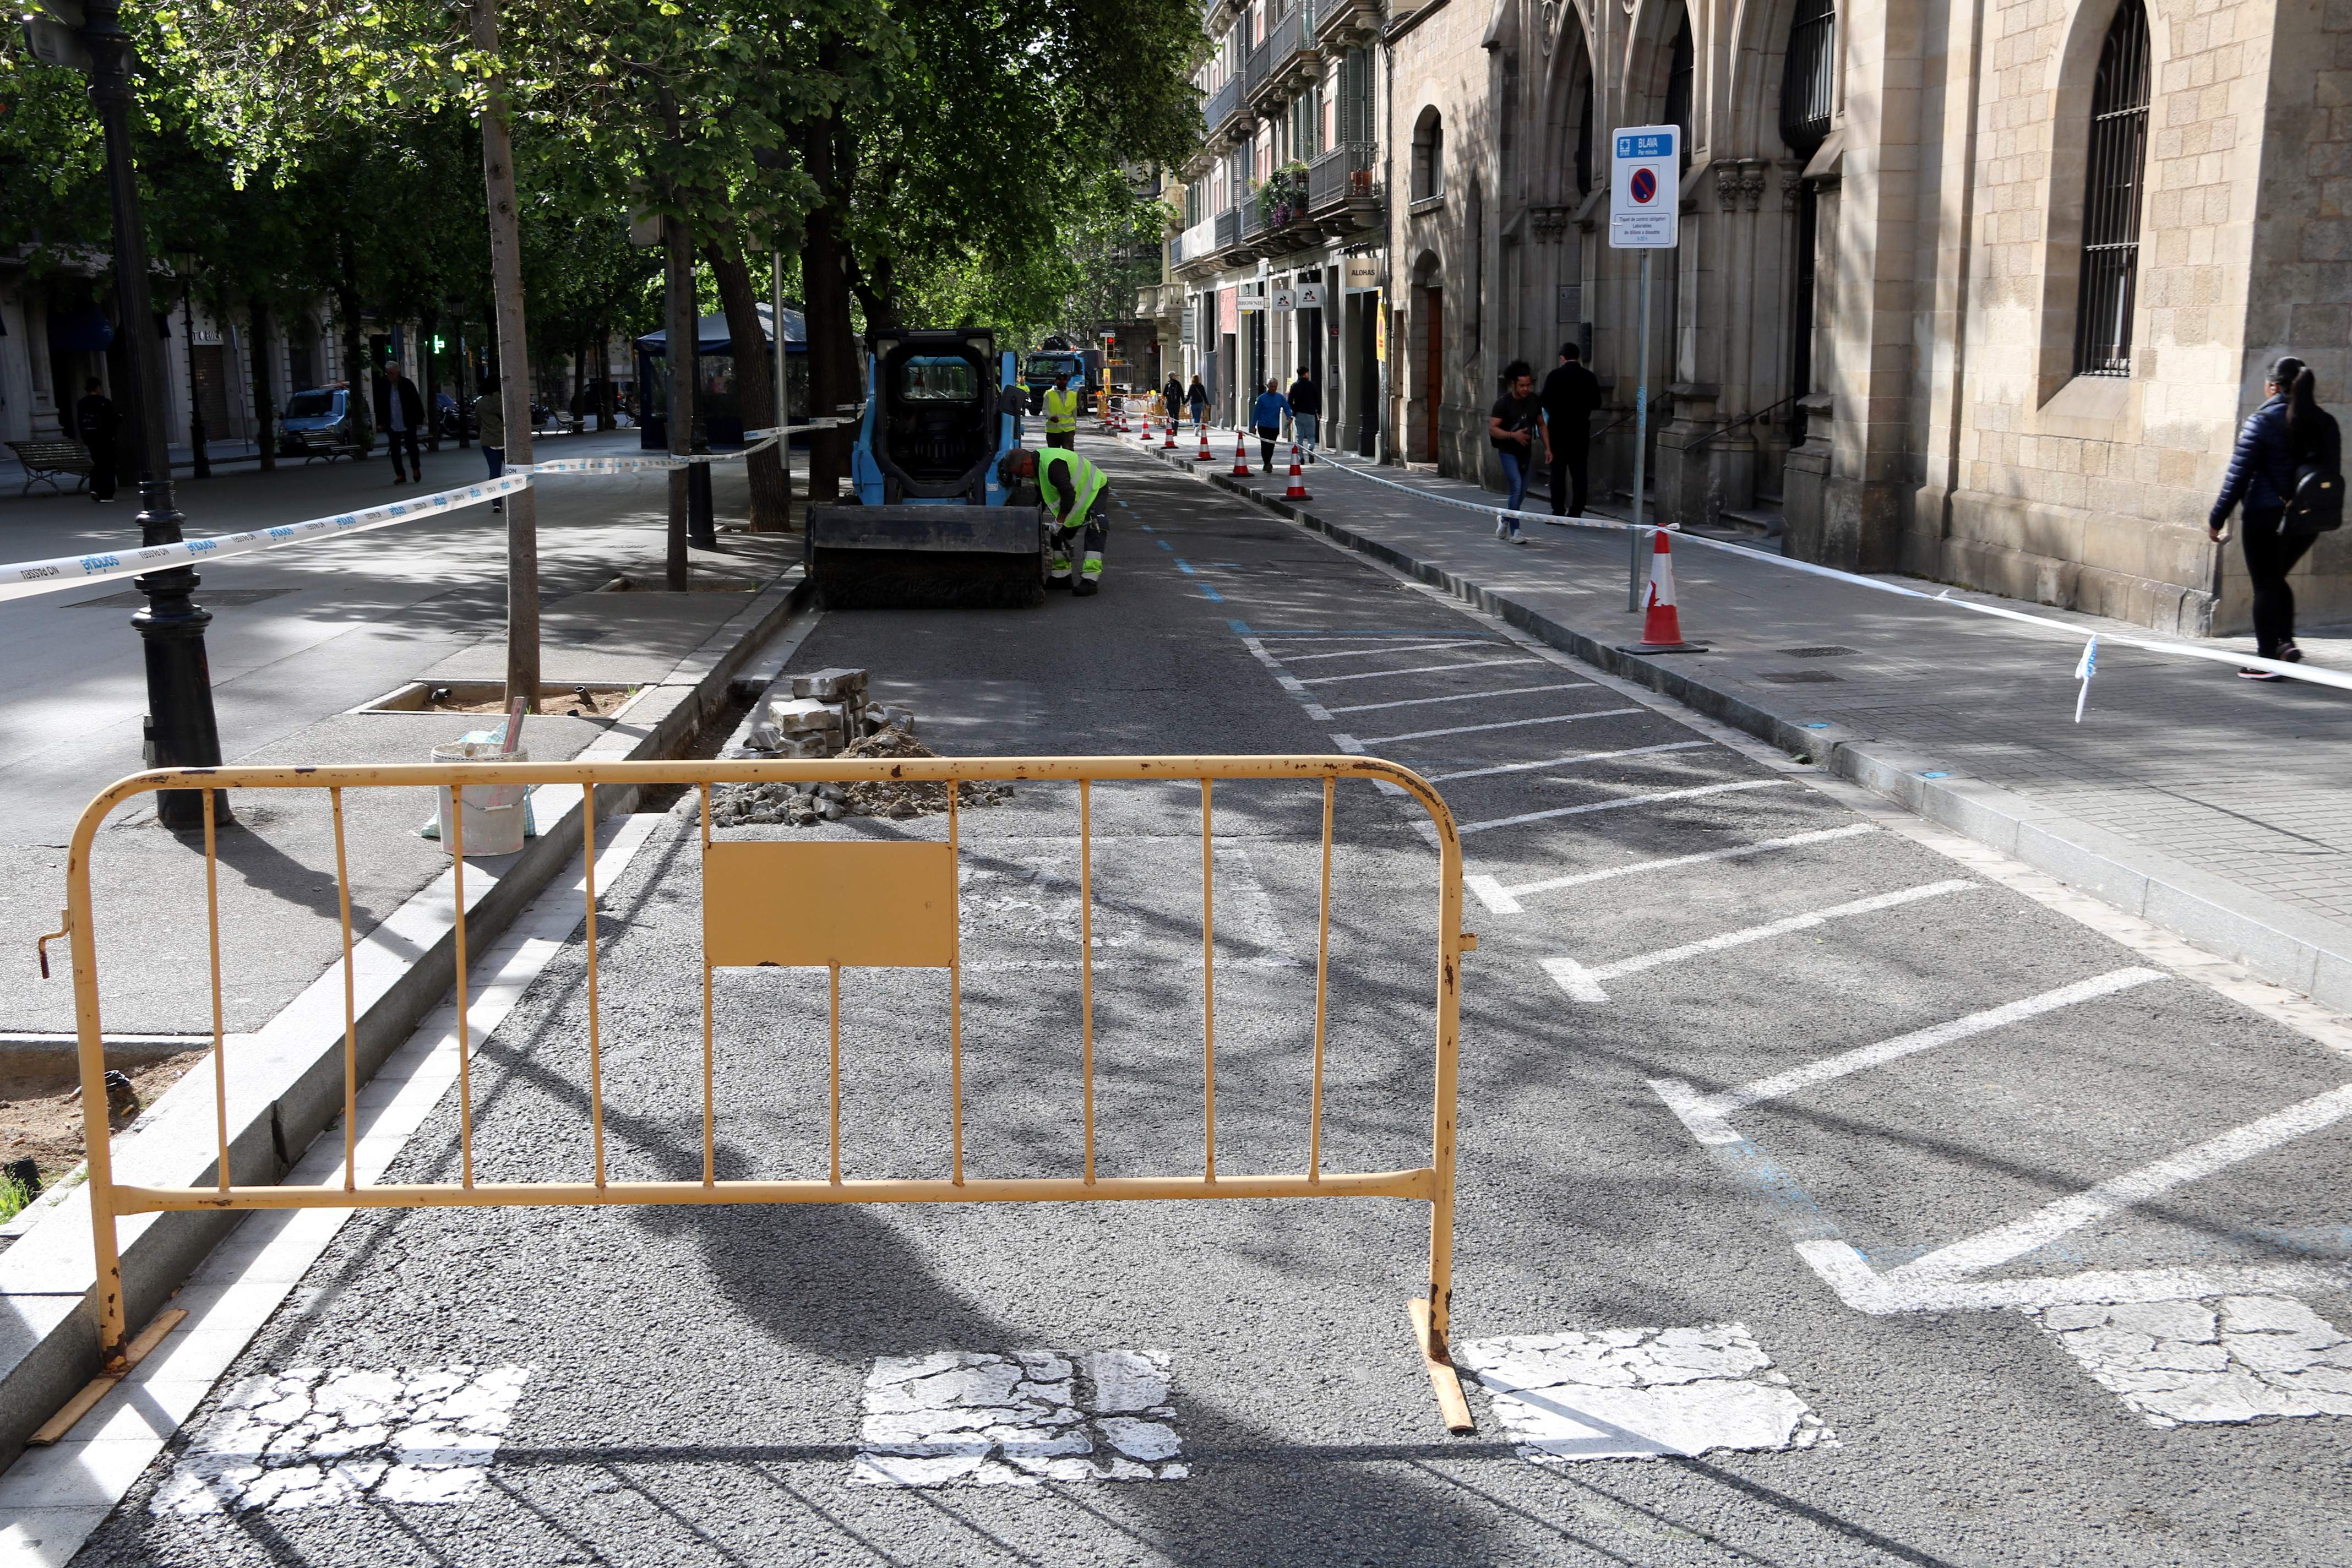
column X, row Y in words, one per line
column 2286, row 473
column 1306, row 410
column 490, row 429
column 1571, row 394
column 1196, row 398
column 1265, row 417
column 400, row 414
column 1171, row 397
column 100, row 426
column 1514, row 426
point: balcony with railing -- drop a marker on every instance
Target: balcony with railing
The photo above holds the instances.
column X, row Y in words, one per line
column 1343, row 185
column 1285, row 58
column 1229, row 229
column 1226, row 105
column 1255, row 213
column 1339, row 23
column 1197, row 246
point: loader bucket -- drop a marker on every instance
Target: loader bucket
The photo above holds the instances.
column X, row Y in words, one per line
column 926, row 557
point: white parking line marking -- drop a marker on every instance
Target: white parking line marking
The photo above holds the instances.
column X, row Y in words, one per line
column 1499, row 724
column 1584, row 984
column 1704, row 1114
column 1018, row 1418
column 1464, row 697
column 1622, row 801
column 1504, row 900
column 1404, row 647
column 1566, row 762
column 2222, row 1359
column 1639, row 1393
column 2038, row 1229
column 1415, row 670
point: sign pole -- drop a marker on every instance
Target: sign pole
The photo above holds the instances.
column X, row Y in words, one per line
column 1641, row 439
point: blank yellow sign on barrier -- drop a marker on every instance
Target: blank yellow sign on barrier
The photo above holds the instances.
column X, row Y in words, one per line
column 814, row 906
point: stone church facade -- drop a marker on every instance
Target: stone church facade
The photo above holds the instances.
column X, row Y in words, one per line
column 1973, row 290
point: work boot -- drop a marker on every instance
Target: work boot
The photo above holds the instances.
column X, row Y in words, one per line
column 1085, row 587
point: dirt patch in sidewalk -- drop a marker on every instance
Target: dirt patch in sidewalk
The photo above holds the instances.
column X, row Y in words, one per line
column 40, row 1103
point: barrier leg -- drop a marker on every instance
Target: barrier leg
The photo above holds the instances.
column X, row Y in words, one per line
column 1431, row 1315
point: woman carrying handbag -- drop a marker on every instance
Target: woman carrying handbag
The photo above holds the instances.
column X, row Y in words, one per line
column 2287, row 473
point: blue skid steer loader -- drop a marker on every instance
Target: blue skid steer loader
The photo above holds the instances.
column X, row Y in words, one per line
column 932, row 524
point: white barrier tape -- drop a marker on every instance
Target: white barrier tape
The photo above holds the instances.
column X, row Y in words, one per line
column 2302, row 672
column 26, row 578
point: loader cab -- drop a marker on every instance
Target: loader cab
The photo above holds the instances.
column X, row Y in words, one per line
column 932, row 430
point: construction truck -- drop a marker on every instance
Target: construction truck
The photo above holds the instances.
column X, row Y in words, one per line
column 931, row 523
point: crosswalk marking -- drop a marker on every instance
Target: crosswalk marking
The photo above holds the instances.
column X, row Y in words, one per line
column 1585, row 984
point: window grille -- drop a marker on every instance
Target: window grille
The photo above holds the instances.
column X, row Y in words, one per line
column 1808, row 80
column 2111, row 200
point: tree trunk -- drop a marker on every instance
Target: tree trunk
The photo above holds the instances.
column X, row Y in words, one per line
column 358, row 380
column 833, row 353
column 264, row 418
column 683, row 338
column 514, row 398
column 771, row 494
column 430, row 379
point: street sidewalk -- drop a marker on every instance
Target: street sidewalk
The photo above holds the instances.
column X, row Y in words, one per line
column 2219, row 808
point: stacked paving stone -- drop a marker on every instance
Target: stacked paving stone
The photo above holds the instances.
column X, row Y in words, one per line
column 828, row 715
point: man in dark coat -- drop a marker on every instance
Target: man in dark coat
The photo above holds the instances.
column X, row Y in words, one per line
column 97, row 424
column 400, row 414
column 1571, row 393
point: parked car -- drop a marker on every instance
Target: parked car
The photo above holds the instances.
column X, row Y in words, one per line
column 318, row 423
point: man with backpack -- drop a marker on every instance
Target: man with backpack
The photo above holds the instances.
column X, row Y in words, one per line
column 2287, row 473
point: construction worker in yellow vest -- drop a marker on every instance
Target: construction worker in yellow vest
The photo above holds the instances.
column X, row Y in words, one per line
column 1078, row 494
column 1062, row 413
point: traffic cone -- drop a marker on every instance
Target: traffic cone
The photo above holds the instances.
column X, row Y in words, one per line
column 1169, row 444
column 1661, row 627
column 1205, row 455
column 1241, row 456
column 1297, row 490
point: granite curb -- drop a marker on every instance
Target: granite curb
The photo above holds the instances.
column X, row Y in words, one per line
column 2305, row 952
column 286, row 1081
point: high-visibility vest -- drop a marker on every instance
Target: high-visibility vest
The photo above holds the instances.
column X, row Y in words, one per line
column 1061, row 410
column 1085, row 479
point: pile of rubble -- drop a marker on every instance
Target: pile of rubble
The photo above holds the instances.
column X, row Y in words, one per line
column 828, row 715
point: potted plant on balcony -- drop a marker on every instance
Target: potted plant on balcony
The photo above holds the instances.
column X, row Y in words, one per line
column 1284, row 196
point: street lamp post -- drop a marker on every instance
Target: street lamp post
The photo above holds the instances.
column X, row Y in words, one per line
column 185, row 264
column 181, row 729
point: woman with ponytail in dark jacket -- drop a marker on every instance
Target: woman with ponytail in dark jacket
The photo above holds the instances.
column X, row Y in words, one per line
column 2287, row 433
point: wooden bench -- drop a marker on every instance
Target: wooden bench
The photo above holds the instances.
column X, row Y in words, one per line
column 45, row 462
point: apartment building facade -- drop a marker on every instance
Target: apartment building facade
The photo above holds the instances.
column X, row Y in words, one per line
column 1976, row 290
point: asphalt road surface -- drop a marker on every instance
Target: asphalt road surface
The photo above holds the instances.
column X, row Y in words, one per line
column 1825, row 1199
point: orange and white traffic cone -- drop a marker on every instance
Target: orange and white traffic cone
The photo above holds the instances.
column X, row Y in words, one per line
column 1241, row 456
column 1662, row 626
column 1169, row 444
column 1297, row 490
column 1205, row 455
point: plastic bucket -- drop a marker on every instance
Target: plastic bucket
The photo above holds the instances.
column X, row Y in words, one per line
column 494, row 814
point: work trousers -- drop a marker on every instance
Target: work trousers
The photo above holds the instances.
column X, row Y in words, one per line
column 1090, row 568
column 1066, row 439
column 2270, row 556
column 1572, row 460
column 394, row 441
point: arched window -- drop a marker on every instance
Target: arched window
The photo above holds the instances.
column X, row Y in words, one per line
column 2111, row 200
column 1809, row 78
column 1679, row 70
column 1428, row 155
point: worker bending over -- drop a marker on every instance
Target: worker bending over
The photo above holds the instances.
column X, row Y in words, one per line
column 1076, row 492
column 1061, row 412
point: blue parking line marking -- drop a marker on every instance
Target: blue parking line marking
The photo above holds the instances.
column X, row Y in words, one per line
column 1207, row 592
column 1163, row 544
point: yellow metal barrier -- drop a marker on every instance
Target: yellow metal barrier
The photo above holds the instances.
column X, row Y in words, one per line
column 826, row 904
